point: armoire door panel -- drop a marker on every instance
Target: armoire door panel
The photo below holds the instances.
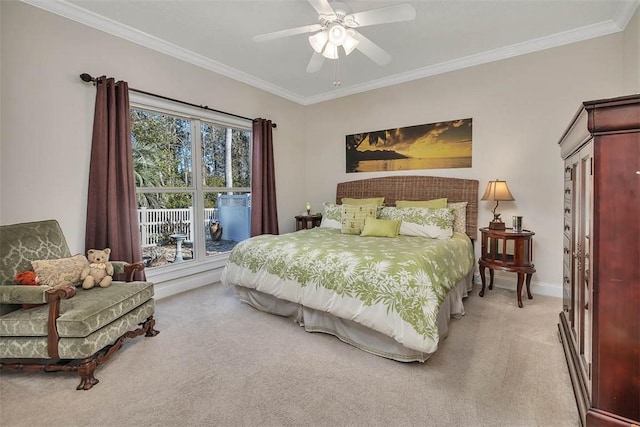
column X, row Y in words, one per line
column 600, row 321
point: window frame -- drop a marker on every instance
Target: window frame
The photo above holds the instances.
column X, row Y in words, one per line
column 197, row 116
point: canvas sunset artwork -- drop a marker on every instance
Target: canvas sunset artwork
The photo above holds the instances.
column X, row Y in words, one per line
column 439, row 145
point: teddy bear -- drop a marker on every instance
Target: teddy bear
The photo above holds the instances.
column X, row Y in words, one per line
column 99, row 271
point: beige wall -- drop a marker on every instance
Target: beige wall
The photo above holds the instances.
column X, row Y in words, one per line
column 47, row 113
column 631, row 58
column 519, row 106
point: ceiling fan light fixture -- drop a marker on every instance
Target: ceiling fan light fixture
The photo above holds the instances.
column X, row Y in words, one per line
column 318, row 41
column 336, row 26
column 350, row 43
column 330, row 51
column 349, row 21
column 337, row 34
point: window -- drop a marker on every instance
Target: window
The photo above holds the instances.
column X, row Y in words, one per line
column 192, row 170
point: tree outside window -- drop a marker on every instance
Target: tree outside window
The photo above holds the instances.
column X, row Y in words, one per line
column 193, row 178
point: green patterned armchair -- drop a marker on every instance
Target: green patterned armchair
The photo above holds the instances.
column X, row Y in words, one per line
column 64, row 328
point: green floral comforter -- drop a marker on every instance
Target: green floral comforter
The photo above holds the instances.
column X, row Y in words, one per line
column 392, row 285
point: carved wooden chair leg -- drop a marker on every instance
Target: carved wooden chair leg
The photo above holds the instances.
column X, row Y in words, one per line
column 86, row 369
column 149, row 324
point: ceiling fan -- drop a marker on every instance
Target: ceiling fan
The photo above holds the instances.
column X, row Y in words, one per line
column 336, row 28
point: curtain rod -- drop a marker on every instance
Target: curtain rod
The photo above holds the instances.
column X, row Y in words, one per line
column 88, row 78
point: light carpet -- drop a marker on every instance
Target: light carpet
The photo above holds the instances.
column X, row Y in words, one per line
column 218, row 362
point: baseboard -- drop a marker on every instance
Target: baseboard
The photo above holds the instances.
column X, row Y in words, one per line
column 183, row 284
column 509, row 281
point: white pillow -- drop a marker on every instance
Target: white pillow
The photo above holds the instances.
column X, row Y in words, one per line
column 332, row 216
column 435, row 223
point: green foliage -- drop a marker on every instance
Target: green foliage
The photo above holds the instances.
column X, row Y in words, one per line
column 162, row 152
column 168, row 228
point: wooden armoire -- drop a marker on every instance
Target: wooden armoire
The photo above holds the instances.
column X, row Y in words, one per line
column 600, row 321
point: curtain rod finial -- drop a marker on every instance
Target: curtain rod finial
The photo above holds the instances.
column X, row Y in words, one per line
column 87, row 78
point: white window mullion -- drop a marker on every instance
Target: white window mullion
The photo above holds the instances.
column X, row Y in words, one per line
column 198, row 197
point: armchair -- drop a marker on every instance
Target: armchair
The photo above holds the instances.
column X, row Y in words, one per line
column 69, row 329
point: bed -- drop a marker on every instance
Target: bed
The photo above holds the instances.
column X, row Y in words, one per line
column 393, row 297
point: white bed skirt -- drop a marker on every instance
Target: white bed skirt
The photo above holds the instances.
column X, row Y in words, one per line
column 353, row 333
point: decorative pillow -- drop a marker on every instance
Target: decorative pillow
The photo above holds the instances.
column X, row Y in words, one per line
column 379, row 201
column 380, row 227
column 26, row 278
column 422, row 222
column 332, row 216
column 353, row 217
column 435, row 203
column 60, row 272
column 460, row 216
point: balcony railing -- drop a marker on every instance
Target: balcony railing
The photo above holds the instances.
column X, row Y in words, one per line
column 156, row 224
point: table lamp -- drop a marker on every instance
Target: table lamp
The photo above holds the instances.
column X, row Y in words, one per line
column 497, row 190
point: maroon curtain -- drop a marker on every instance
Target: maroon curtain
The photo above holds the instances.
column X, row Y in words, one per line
column 112, row 219
column 264, row 214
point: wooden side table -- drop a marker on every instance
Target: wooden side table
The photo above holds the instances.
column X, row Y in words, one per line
column 304, row 221
column 507, row 250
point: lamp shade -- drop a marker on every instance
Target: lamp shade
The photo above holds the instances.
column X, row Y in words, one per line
column 350, row 43
column 497, row 190
column 330, row 51
column 318, row 41
column 337, row 33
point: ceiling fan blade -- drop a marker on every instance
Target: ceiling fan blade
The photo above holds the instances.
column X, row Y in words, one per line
column 322, row 7
column 372, row 50
column 287, row 33
column 383, row 15
column 315, row 63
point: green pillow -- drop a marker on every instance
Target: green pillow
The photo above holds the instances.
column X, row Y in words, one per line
column 435, row 203
column 380, row 227
column 379, row 201
column 353, row 217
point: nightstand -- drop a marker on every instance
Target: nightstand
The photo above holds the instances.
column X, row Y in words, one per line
column 308, row 221
column 507, row 250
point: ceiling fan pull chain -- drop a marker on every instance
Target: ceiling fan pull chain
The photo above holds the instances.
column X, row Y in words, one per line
column 336, row 72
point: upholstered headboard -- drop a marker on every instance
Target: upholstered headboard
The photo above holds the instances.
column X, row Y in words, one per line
column 417, row 188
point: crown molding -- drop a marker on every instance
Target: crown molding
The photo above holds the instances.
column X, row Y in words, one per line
column 109, row 26
column 623, row 16
column 85, row 17
column 625, row 13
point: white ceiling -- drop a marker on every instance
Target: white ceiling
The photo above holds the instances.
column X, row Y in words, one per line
column 446, row 35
